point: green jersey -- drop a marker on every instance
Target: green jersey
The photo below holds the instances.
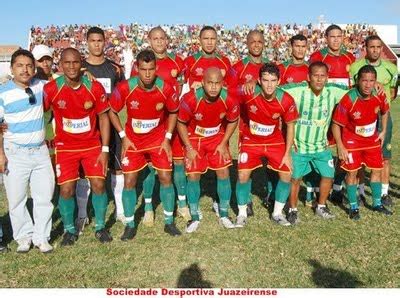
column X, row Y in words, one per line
column 315, row 114
column 386, row 71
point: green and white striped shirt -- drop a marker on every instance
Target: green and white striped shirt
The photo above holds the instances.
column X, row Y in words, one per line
column 315, row 114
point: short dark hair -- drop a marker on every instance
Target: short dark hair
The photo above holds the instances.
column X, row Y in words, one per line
column 371, row 38
column 207, row 28
column 22, row 52
column 95, row 30
column 300, row 37
column 332, row 27
column 146, row 56
column 366, row 69
column 270, row 68
column 317, row 64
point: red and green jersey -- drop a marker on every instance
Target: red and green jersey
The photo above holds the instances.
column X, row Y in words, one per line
column 244, row 71
column 197, row 64
column 292, row 73
column 169, row 68
column 261, row 118
column 358, row 117
column 75, row 112
column 147, row 110
column 204, row 118
column 338, row 66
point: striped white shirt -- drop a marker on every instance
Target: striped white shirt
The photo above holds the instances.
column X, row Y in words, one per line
column 25, row 121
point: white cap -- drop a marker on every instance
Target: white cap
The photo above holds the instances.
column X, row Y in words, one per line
column 41, row 50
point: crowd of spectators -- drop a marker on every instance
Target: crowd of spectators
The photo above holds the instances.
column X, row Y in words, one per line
column 128, row 40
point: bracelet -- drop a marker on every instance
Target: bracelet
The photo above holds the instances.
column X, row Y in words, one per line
column 168, row 135
column 122, row 134
column 105, row 149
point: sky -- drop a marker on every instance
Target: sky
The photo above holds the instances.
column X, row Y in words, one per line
column 18, row 16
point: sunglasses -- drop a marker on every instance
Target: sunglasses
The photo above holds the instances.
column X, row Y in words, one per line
column 32, row 97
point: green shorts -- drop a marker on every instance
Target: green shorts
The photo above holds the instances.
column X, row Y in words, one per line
column 387, row 143
column 322, row 162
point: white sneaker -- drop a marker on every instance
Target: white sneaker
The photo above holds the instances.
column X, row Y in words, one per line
column 192, row 226
column 24, row 245
column 241, row 221
column 215, row 207
column 121, row 218
column 45, row 247
column 280, row 220
column 226, row 223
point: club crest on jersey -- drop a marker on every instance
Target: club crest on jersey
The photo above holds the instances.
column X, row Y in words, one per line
column 174, row 73
column 88, row 104
column 357, row 115
column 199, row 71
column 62, row 104
column 275, row 116
column 221, row 116
column 159, row 106
column 198, row 116
column 253, row 109
column 134, row 105
column 377, row 110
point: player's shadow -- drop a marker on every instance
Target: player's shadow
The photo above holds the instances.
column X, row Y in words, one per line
column 192, row 277
column 324, row 277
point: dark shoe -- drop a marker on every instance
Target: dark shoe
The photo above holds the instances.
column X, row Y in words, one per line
column 69, row 239
column 336, row 197
column 387, row 201
column 103, row 235
column 354, row 214
column 382, row 209
column 293, row 217
column 362, row 200
column 129, row 233
column 250, row 211
column 172, row 230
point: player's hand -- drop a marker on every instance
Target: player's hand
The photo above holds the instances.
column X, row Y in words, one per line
column 196, row 85
column 379, row 88
column 343, row 153
column 126, row 145
column 3, row 163
column 3, row 127
column 249, row 87
column 191, row 156
column 223, row 151
column 102, row 159
column 166, row 147
column 286, row 160
column 381, row 137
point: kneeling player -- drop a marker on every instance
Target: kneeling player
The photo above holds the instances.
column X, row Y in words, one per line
column 207, row 119
column 262, row 137
column 358, row 142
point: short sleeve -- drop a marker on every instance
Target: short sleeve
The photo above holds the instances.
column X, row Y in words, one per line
column 290, row 113
column 233, row 110
column 102, row 104
column 341, row 113
column 118, row 97
column 185, row 113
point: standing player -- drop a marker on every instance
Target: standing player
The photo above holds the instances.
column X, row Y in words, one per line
column 108, row 73
column 207, row 119
column 261, row 136
column 82, row 136
column 358, row 141
column 386, row 75
column 315, row 101
column 169, row 67
column 151, row 106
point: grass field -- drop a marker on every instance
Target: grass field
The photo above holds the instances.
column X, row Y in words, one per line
column 316, row 253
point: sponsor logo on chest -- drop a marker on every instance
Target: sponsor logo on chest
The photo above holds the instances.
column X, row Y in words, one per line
column 144, row 125
column 76, row 126
column 207, row 131
column 366, row 130
column 259, row 129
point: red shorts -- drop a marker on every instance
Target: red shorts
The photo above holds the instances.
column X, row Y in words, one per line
column 250, row 157
column 207, row 160
column 372, row 158
column 134, row 161
column 177, row 147
column 68, row 164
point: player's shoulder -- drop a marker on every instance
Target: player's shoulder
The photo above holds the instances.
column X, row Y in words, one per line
column 331, row 85
column 390, row 66
column 7, row 86
column 319, row 54
column 294, row 86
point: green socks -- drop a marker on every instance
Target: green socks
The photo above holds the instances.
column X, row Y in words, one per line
column 67, row 206
column 352, row 195
column 167, row 195
column 376, row 189
column 224, row 191
column 148, row 186
column 180, row 184
column 129, row 202
column 193, row 195
column 100, row 203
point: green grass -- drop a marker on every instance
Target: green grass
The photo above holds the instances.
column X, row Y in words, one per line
column 316, row 253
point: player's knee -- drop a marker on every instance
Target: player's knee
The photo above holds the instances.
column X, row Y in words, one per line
column 243, row 177
column 376, row 175
column 165, row 178
column 97, row 186
column 67, row 191
column 223, row 173
column 351, row 177
column 130, row 181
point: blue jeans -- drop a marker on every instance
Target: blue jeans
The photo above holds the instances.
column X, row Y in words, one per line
column 29, row 167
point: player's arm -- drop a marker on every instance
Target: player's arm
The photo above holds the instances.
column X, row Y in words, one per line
column 290, row 117
column 337, row 134
column 384, row 107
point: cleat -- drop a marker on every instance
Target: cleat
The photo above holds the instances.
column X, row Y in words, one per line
column 336, row 197
column 387, row 201
column 172, row 230
column 69, row 239
column 226, row 223
column 250, row 211
column 241, row 221
column 148, row 219
column 192, row 226
column 45, row 247
column 129, row 233
column 103, row 235
column 24, row 245
column 324, row 213
column 382, row 209
column 80, row 224
column 354, row 214
column 184, row 213
column 280, row 220
column 293, row 217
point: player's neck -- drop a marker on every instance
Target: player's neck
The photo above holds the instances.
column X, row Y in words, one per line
column 270, row 96
column 376, row 62
column 73, row 83
column 210, row 99
column 208, row 55
column 22, row 85
column 255, row 59
column 334, row 52
column 147, row 87
column 364, row 96
column 161, row 55
column 95, row 60
column 316, row 92
column 296, row 61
